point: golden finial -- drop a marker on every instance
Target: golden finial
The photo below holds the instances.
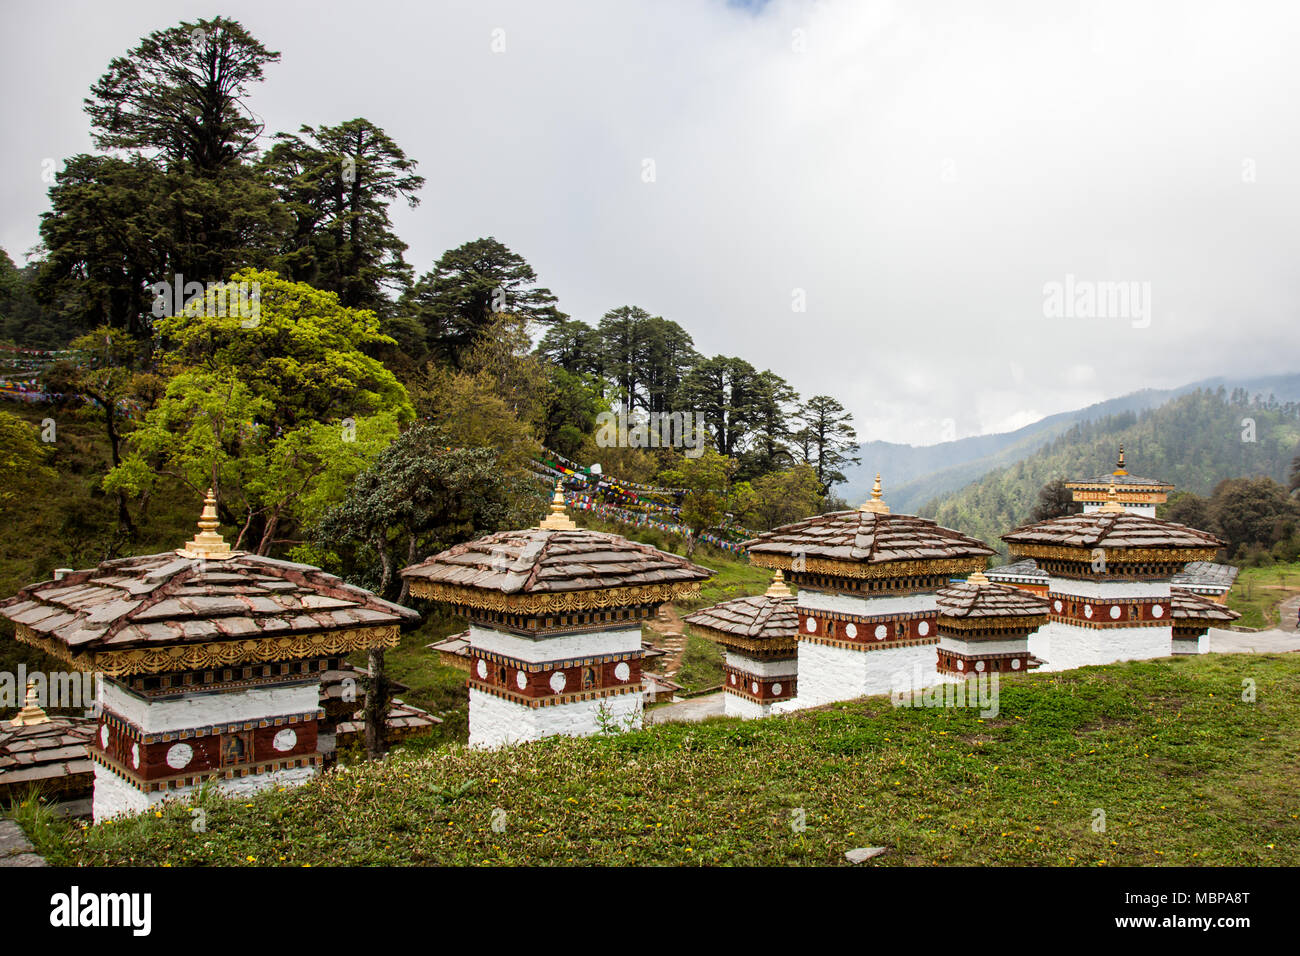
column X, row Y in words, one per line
column 31, row 712
column 877, row 504
column 1119, row 466
column 558, row 519
column 1112, row 504
column 978, row 579
column 778, row 588
column 208, row 543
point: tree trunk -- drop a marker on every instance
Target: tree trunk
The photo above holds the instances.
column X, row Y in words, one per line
column 376, row 705
column 410, row 559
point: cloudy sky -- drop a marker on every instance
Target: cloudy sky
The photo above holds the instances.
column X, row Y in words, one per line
column 878, row 201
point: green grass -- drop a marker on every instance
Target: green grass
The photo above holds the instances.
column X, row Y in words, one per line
column 701, row 664
column 1186, row 772
column 1258, row 592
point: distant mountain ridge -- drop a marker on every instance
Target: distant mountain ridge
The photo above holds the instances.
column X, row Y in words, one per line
column 913, row 475
column 1193, row 442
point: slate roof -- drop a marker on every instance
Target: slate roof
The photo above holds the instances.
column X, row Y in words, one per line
column 403, row 720
column 165, row 599
column 54, row 751
column 867, row 537
column 1103, row 482
column 547, row 561
column 1026, row 568
column 966, row 600
column 1188, row 606
column 759, row 617
column 1111, row 530
column 1206, row 574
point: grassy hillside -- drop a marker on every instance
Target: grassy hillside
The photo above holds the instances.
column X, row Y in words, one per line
column 1185, row 772
column 1194, row 442
column 1257, row 593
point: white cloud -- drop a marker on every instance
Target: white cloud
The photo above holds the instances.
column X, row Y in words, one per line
column 919, row 172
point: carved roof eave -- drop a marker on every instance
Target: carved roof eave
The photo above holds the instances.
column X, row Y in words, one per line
column 858, row 569
column 214, row 654
column 771, row 645
column 1028, row 622
column 1114, row 554
column 554, row 602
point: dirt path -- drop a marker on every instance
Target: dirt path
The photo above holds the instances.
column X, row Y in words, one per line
column 1288, row 610
column 667, row 632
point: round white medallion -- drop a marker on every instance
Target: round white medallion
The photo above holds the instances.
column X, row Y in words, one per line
column 521, row 680
column 961, row 665
column 979, row 665
column 103, row 736
column 285, row 740
column 811, row 625
column 851, row 629
column 482, row 669
column 179, row 756
column 135, row 756
column 881, row 631
column 622, row 671
column 923, row 628
column 1157, row 611
column 754, row 687
column 1087, row 610
column 776, row 688
column 558, row 680
column 1114, row 612
column 1057, row 606
column 1015, row 663
column 733, row 680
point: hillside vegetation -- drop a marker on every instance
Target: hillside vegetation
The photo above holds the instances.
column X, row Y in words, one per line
column 1184, row 770
column 1194, row 442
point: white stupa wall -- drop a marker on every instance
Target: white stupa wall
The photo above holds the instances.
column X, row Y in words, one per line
column 1192, row 645
column 205, row 709
column 115, row 796
column 1067, row 646
column 541, row 650
column 1132, row 507
column 497, row 722
column 733, row 705
column 828, row 674
column 759, row 667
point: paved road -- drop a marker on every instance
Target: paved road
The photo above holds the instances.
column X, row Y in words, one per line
column 1253, row 642
column 1288, row 609
column 687, row 711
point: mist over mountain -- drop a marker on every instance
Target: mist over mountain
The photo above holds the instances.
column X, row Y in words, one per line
column 914, row 475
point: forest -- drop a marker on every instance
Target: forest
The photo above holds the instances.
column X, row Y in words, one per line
column 215, row 305
column 1233, row 457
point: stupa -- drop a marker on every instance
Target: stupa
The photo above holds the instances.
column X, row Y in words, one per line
column 1109, row 591
column 1135, row 495
column 867, row 605
column 1194, row 615
column 555, row 618
column 984, row 628
column 759, row 635
column 46, row 753
column 212, row 662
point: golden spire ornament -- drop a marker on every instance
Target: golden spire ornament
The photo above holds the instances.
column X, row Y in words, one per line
column 978, row 579
column 208, row 543
column 558, row 519
column 1119, row 466
column 877, row 503
column 31, row 713
column 1112, row 505
column 778, row 587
